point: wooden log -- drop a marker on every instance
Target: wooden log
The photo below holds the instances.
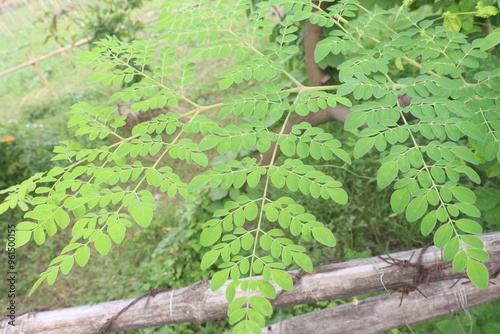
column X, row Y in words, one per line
column 197, row 303
column 40, row 74
column 382, row 313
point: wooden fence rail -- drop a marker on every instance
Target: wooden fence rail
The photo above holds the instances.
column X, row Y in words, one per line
column 197, row 303
column 48, row 55
column 382, row 313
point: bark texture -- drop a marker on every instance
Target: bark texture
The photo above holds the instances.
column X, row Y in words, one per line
column 197, row 303
column 382, row 313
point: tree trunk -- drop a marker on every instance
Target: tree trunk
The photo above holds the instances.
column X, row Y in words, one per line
column 197, row 303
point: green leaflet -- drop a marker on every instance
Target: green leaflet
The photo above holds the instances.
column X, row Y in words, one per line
column 325, row 236
column 210, row 235
column 428, row 223
column 465, row 154
column 22, row 237
column 321, row 51
column 469, row 226
column 400, row 199
column 477, row 273
column 463, row 194
column 491, row 40
column 470, row 129
column 117, row 232
column 66, row 265
column 460, row 261
column 142, row 215
column 472, row 241
column 82, row 255
column 103, row 244
column 303, row 261
column 451, row 249
column 363, row 146
column 355, row 120
column 443, row 235
column 218, row 279
column 261, row 305
column 198, row 182
column 478, row 254
column 387, row 173
column 416, row 208
column 282, row 278
column 209, row 258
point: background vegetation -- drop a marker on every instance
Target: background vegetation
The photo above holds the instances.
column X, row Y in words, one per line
column 167, row 254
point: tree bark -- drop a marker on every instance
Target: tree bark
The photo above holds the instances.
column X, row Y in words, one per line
column 313, row 34
column 382, row 313
column 197, row 303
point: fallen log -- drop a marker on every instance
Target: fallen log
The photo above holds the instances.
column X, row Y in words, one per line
column 197, row 303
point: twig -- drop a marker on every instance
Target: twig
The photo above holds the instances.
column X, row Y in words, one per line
column 150, row 293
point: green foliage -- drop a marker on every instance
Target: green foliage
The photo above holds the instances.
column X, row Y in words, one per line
column 32, row 138
column 254, row 238
column 29, row 151
column 479, row 319
column 174, row 261
column 97, row 20
column 425, row 152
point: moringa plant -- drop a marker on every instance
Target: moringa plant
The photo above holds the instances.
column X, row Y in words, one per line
column 430, row 146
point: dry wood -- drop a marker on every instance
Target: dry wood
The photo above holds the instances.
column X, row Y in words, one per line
column 40, row 74
column 197, row 303
column 382, row 313
column 48, row 55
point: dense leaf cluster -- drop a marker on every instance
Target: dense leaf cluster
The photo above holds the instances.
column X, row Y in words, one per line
column 103, row 191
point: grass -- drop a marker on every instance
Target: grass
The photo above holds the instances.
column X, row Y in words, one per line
column 28, row 33
column 24, row 87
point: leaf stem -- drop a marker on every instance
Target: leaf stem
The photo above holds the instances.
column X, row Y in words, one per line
column 345, row 169
column 160, row 83
column 251, row 47
column 263, row 200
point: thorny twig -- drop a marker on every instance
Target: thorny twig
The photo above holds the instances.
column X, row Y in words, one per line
column 427, row 272
column 407, row 289
column 406, row 263
column 150, row 293
column 423, row 275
